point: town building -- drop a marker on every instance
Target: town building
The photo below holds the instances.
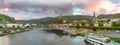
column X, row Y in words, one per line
column 15, row 25
column 3, row 24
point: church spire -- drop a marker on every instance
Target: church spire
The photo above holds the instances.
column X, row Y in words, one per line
column 94, row 17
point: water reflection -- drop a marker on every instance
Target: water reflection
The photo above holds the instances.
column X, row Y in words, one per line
column 113, row 35
column 4, row 40
column 36, row 37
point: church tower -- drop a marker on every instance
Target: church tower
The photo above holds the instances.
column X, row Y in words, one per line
column 94, row 17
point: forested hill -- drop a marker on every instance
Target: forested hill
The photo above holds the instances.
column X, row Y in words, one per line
column 4, row 18
column 109, row 15
column 49, row 20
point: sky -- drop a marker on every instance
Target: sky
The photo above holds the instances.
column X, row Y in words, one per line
column 35, row 9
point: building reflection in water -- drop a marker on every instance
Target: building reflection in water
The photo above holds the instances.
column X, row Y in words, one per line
column 4, row 40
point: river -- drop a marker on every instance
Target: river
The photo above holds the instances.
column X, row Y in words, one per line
column 37, row 37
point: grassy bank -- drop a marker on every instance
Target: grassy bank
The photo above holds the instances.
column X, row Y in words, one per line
column 90, row 27
column 115, row 39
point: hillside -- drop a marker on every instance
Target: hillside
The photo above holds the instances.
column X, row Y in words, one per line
column 49, row 20
column 4, row 18
column 109, row 15
column 69, row 19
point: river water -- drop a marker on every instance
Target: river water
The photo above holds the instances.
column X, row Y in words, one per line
column 37, row 37
column 113, row 35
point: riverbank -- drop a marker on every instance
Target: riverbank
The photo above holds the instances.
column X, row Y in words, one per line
column 91, row 27
column 115, row 39
column 57, row 32
column 8, row 31
column 12, row 31
column 85, row 31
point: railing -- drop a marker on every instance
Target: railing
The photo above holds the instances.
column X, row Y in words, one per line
column 95, row 41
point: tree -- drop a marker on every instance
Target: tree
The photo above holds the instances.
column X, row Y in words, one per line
column 100, row 23
column 13, row 26
column 18, row 26
column 91, row 24
column 58, row 21
column 115, row 24
column 1, row 26
column 83, row 22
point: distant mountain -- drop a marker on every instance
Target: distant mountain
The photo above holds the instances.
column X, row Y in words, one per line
column 49, row 20
column 109, row 16
column 4, row 18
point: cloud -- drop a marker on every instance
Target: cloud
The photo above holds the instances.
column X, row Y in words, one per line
column 20, row 15
column 63, row 7
column 99, row 6
column 115, row 1
column 39, row 2
column 1, row 2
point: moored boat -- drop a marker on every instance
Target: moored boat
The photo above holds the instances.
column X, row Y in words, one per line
column 93, row 39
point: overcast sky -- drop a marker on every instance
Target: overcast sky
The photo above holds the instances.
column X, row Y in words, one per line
column 26, row 9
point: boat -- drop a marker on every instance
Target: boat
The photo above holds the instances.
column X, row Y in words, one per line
column 92, row 39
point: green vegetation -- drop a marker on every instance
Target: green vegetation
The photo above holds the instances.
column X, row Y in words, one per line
column 109, row 16
column 69, row 19
column 4, row 18
column 58, row 20
column 115, row 24
column 115, row 39
column 100, row 23
column 80, row 19
column 91, row 27
column 1, row 27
